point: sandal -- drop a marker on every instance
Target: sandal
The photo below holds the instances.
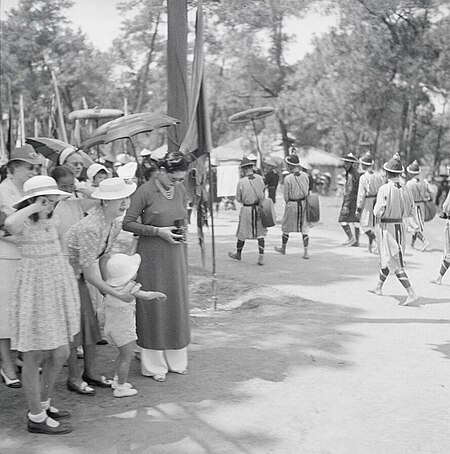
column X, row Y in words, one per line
column 179, row 372
column 83, row 388
column 102, row 383
column 10, row 382
column 159, row 377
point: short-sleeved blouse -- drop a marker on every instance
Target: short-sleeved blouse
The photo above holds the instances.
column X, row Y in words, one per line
column 90, row 239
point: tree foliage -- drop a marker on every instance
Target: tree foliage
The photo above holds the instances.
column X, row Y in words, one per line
column 378, row 79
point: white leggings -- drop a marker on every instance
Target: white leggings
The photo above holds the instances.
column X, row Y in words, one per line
column 159, row 362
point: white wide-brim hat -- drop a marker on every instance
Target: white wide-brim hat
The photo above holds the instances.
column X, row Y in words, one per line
column 121, row 268
column 113, row 189
column 40, row 185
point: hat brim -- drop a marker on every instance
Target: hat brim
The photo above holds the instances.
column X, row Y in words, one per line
column 391, row 170
column 135, row 263
column 295, row 164
column 367, row 163
column 103, row 168
column 413, row 172
column 248, row 164
column 349, row 160
column 44, row 192
column 35, row 162
column 114, row 195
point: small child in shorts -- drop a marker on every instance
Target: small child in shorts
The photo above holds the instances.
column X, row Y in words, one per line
column 120, row 323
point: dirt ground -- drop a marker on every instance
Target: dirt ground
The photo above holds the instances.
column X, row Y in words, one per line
column 297, row 358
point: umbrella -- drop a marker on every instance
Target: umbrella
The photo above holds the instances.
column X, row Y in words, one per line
column 127, row 127
column 94, row 114
column 52, row 148
column 257, row 113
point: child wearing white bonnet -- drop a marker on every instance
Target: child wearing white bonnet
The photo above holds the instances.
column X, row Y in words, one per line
column 120, row 323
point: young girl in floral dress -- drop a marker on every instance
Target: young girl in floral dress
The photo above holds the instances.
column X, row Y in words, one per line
column 45, row 309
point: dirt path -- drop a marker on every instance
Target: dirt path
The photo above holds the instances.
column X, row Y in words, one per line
column 299, row 358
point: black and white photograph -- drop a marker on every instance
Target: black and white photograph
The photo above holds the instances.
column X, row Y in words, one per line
column 224, row 227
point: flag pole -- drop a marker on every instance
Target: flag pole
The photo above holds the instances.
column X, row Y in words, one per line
column 59, row 108
column 22, row 121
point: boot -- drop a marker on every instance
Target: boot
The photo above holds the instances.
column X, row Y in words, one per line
column 371, row 237
column 348, row 231
column 235, row 256
column 281, row 250
column 356, row 242
column 261, row 260
column 305, row 253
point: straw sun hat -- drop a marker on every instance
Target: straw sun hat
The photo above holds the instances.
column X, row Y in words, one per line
column 113, row 189
column 40, row 185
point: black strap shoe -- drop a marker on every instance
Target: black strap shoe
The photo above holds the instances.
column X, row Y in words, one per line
column 44, row 428
column 58, row 414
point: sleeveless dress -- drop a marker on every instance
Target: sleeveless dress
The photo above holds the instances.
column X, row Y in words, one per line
column 45, row 308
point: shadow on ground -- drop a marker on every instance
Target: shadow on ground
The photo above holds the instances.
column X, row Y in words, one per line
column 262, row 340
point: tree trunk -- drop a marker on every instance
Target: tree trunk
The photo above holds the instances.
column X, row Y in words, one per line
column 403, row 128
column 284, row 136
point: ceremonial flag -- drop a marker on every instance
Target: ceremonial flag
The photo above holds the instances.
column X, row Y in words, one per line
column 197, row 143
column 62, row 134
column 9, row 138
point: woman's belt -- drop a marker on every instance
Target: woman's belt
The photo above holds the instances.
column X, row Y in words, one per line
column 391, row 220
column 251, row 204
column 296, row 200
column 370, row 196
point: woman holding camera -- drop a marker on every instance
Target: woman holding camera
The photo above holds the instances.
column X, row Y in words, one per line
column 163, row 330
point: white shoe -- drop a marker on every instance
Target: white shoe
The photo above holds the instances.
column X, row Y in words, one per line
column 115, row 384
column 124, row 392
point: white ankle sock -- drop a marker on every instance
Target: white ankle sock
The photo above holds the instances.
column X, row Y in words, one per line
column 40, row 417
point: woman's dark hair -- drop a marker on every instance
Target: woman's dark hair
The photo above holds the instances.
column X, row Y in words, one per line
column 16, row 163
column 61, row 172
column 35, row 216
column 175, row 161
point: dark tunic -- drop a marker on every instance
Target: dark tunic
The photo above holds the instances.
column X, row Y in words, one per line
column 160, row 326
column 271, row 179
column 350, row 197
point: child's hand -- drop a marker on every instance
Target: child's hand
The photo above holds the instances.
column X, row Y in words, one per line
column 126, row 294
column 135, row 288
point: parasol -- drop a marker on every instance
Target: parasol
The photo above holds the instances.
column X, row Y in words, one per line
column 94, row 114
column 257, row 113
column 127, row 127
column 51, row 148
